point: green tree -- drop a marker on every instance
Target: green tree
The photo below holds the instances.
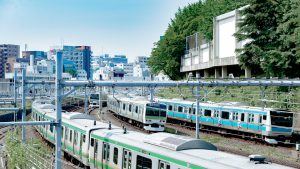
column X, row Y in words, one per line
column 284, row 61
column 270, row 26
column 196, row 17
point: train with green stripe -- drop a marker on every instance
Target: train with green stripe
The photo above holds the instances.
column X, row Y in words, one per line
column 138, row 111
column 98, row 145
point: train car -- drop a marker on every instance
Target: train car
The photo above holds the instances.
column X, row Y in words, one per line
column 272, row 125
column 99, row 145
column 139, row 111
column 76, row 128
column 114, row 148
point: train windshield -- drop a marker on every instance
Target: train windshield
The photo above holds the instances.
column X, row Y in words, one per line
column 281, row 118
column 156, row 109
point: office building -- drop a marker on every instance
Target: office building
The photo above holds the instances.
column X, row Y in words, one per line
column 80, row 55
column 7, row 51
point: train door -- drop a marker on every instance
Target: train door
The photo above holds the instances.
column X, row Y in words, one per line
column 95, row 153
column 105, row 155
column 262, row 122
column 164, row 165
column 127, row 159
column 80, row 145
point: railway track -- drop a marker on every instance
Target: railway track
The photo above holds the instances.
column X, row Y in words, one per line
column 3, row 131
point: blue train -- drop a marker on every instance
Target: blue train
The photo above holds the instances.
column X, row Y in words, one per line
column 272, row 125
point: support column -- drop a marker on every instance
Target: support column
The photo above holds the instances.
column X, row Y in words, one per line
column 58, row 104
column 224, row 72
column 197, row 111
column 85, row 101
column 151, row 94
column 100, row 103
column 198, row 76
column 248, row 72
column 23, row 105
column 217, row 73
column 206, row 73
column 15, row 92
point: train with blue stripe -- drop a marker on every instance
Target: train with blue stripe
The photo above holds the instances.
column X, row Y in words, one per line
column 271, row 125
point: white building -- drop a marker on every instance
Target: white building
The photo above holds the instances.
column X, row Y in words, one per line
column 217, row 57
column 141, row 60
column 127, row 67
column 141, row 70
column 81, row 75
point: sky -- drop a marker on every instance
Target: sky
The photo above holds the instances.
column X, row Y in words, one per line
column 127, row 27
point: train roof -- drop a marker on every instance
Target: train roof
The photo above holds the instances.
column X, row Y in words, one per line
column 79, row 120
column 138, row 100
column 236, row 105
column 166, row 146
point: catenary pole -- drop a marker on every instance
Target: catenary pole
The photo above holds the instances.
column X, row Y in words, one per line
column 23, row 104
column 58, row 104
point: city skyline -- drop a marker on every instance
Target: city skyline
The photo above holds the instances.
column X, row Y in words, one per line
column 114, row 27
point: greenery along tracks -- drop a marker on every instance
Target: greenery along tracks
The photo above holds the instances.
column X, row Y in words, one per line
column 272, row 26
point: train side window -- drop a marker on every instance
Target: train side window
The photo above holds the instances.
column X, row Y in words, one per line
column 51, row 128
column 190, row 110
column 116, row 152
column 130, row 107
column 143, row 163
column 163, row 165
column 66, row 133
column 170, row 107
column 83, row 138
column 136, row 109
column 92, row 142
column 106, row 149
column 194, row 110
column 62, row 131
column 216, row 114
column 242, row 116
column 207, row 113
column 124, row 106
column 264, row 117
column 250, row 117
column 235, row 115
column 180, row 109
column 75, row 137
column 260, row 119
column 225, row 115
column 71, row 132
column 126, row 159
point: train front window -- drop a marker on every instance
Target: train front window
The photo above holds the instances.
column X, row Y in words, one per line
column 281, row 118
column 156, row 110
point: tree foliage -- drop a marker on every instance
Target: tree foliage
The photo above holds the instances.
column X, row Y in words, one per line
column 196, row 17
column 272, row 30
